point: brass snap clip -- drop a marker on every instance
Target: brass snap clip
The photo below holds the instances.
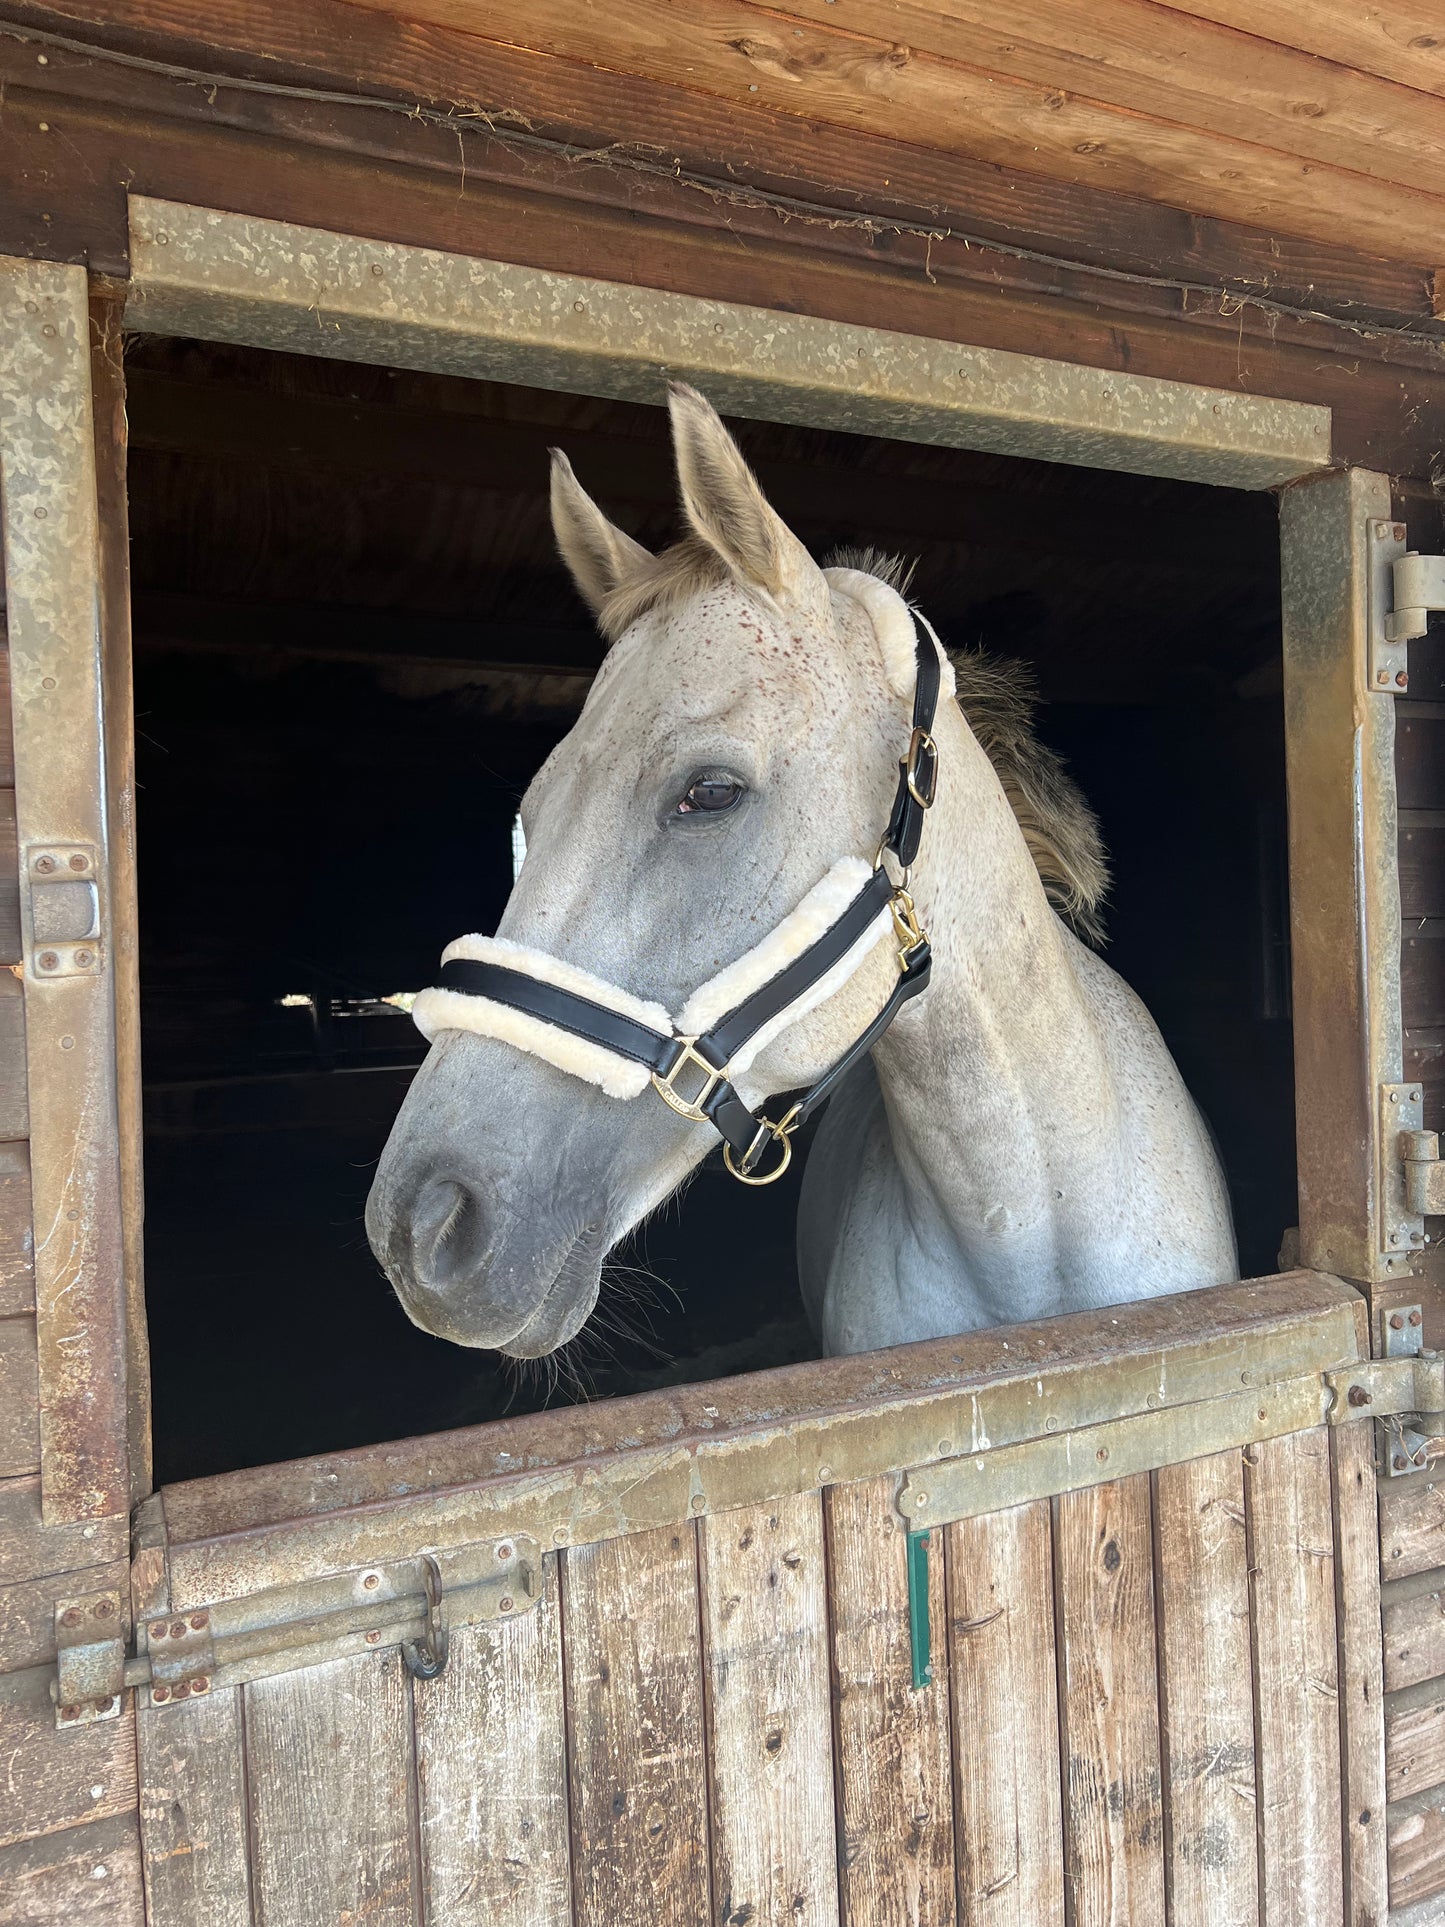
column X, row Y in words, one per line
column 908, row 932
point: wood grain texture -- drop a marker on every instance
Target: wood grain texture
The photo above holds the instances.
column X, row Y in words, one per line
column 895, row 1861
column 1287, row 1501
column 1361, row 1674
column 19, row 1398
column 1414, row 1638
column 7, row 741
column 1415, row 1740
column 1113, row 1812
column 29, row 1548
column 17, row 1235
column 86, row 1876
column 765, row 1638
column 1412, row 1525
column 14, row 1094
column 193, row 1813
column 1206, row 1693
column 494, row 1836
column 329, row 1768
column 9, row 880
column 864, row 80
column 1402, row 41
column 54, row 1780
column 637, row 1771
column 1417, row 1848
column 1004, row 1689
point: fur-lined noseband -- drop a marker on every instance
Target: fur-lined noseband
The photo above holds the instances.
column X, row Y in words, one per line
column 621, row 1043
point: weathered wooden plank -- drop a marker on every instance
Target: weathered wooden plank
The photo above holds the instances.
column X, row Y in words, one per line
column 87, row 1876
column 19, row 1398
column 1417, row 1848
column 56, row 1779
column 637, row 1771
column 329, row 1769
column 7, row 740
column 1113, row 1811
column 852, row 79
column 770, row 1748
column 1287, row 1504
column 1403, row 44
column 193, row 1813
column 895, row 1861
column 27, row 1611
column 29, row 1548
column 1415, row 1740
column 1004, row 1689
column 17, row 1235
column 1361, row 1674
column 1206, row 1689
column 1422, row 871
column 1412, row 1525
column 494, row 1837
column 9, row 880
column 1414, row 1636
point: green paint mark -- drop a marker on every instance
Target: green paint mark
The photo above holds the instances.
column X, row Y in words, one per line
column 918, row 1628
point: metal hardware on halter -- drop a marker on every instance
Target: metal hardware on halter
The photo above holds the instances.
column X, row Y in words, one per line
column 665, row 1082
column 921, row 761
column 779, row 1133
column 907, row 930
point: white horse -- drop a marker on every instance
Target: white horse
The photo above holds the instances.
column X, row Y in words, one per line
column 1021, row 1142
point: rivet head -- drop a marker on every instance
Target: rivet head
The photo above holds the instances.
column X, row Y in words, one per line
column 1399, row 1461
column 1397, row 1321
column 71, row 1616
column 158, row 1630
column 377, row 269
column 201, row 1683
column 373, row 1639
column 178, row 1627
column 161, row 1693
column 198, row 1620
column 67, row 1042
column 1415, row 1317
column 1398, row 531
column 1382, row 675
column 1402, row 679
column 945, row 1445
column 698, row 1503
column 1102, row 1454
column 559, row 1535
column 372, row 1581
column 920, row 1500
column 825, row 1472
column 70, row 1712
column 41, row 514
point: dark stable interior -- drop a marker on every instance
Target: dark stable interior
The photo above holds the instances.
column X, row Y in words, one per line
column 353, row 646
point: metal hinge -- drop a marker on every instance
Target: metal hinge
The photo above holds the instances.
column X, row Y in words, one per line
column 1404, row 1389
column 90, row 1659
column 61, row 910
column 1405, row 1177
column 1405, row 587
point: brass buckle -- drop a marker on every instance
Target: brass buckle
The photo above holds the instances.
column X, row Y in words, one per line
column 665, row 1086
column 781, row 1133
column 921, row 744
column 908, row 932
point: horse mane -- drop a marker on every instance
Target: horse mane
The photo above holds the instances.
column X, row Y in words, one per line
column 999, row 699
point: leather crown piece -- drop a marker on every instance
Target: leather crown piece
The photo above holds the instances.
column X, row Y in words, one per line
column 621, row 1043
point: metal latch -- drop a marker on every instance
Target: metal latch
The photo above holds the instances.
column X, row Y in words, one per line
column 61, row 910
column 1405, row 587
column 1404, row 1389
column 90, row 1659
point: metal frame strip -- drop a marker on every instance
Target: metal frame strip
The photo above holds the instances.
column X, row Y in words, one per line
column 52, row 574
column 271, row 284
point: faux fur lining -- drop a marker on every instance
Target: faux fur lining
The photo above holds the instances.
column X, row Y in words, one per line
column 439, row 1010
column 893, row 621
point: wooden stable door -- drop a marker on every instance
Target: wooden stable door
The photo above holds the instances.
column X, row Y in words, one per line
column 680, row 1683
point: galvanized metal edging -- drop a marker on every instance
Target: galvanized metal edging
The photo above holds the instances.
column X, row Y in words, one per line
column 584, row 1502
column 228, row 277
column 52, row 574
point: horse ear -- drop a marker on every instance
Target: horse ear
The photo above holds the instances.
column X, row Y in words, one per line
column 722, row 501
column 597, row 553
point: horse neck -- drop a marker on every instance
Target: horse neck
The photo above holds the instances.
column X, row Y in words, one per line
column 1004, row 1034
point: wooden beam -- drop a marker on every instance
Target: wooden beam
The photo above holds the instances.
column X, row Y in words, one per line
column 862, row 79
column 1401, row 39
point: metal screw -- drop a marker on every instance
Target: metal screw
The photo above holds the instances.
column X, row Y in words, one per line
column 104, row 1706
column 504, row 1550
column 377, row 268
column 158, row 1631
column 1415, row 1317
column 71, row 1616
column 1398, row 531
column 372, row 1581
column 201, row 1683
column 198, row 1620
column 103, row 1608
column 181, row 1690
column 44, row 865
column 84, row 958
column 507, row 1603
column 698, row 1503
column 47, row 960
column 1382, row 675
column 178, row 1627
column 945, row 1445
column 1102, row 1454
column 373, row 1639
column 77, row 862
column 1402, row 680
column 161, row 1693
column 1359, row 1396
column 1397, row 1321
column 70, row 1712
column 1399, row 1461
column 825, row 1472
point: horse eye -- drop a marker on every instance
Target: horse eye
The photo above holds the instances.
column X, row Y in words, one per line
column 711, row 793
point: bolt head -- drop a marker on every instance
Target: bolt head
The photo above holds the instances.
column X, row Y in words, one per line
column 1415, row 1317
column 178, row 1627
column 1397, row 1321
column 1382, row 675
column 201, row 1683
column 1399, row 1461
column 105, row 1705
column 159, row 1629
column 161, row 1693
column 199, row 1620
column 1402, row 679
column 1398, row 531
column 1359, row 1396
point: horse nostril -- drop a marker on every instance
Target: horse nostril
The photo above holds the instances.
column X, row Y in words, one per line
column 447, row 1230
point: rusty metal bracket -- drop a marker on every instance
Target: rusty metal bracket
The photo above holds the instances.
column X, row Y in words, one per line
column 1408, row 1383
column 1424, row 1173
column 1402, row 1218
column 90, row 1659
column 182, row 1657
column 60, row 910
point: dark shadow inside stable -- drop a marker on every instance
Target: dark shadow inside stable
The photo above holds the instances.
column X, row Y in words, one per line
column 354, row 645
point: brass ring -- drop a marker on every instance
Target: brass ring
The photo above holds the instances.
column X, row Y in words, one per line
column 780, row 1136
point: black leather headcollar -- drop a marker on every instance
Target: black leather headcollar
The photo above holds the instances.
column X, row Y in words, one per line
column 691, row 1073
